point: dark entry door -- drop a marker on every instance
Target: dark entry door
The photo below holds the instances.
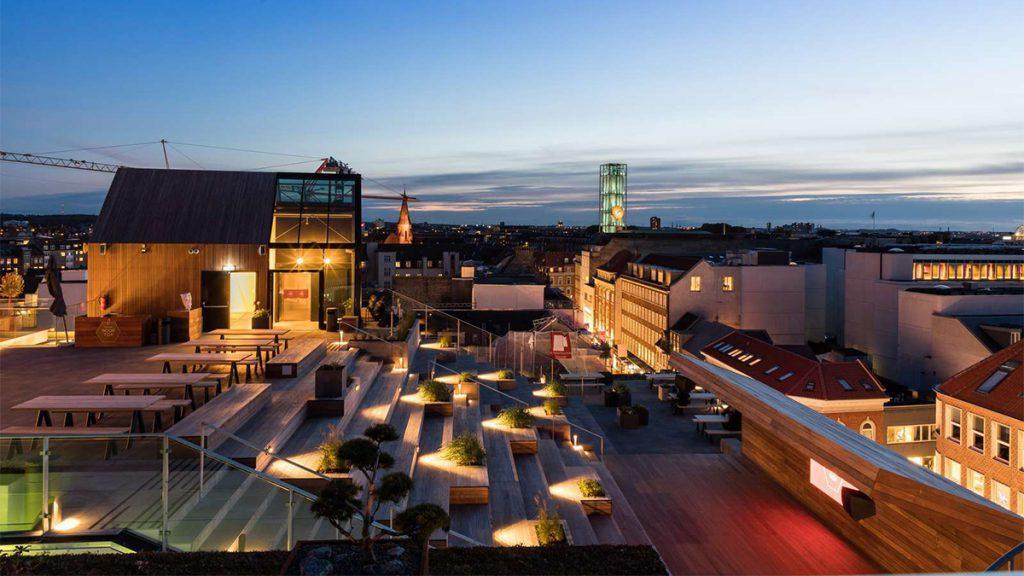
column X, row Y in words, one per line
column 216, row 300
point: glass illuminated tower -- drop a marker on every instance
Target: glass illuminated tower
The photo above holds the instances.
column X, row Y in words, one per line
column 613, row 197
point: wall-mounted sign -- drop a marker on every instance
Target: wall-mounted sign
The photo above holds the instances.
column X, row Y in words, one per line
column 560, row 345
column 108, row 331
column 295, row 293
column 828, row 482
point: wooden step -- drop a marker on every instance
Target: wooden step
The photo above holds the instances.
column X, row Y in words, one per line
column 229, row 411
column 469, row 483
column 509, row 522
column 565, row 494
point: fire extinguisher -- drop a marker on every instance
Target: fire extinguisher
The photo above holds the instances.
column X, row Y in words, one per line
column 103, row 303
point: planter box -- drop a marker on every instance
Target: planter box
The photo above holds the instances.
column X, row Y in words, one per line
column 186, row 324
column 628, row 421
column 112, row 331
column 261, row 323
column 602, row 506
column 562, row 401
column 506, row 384
column 446, row 355
column 470, row 389
column 438, row 408
column 330, row 383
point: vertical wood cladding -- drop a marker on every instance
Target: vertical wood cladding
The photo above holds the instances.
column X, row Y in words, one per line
column 151, row 283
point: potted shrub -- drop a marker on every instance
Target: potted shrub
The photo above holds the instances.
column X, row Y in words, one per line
column 552, row 407
column 330, row 463
column 516, row 417
column 447, row 353
column 557, row 391
column 506, row 380
column 437, row 397
column 549, row 527
column 330, row 381
column 593, row 497
column 629, row 417
column 467, row 376
column 617, row 395
column 260, row 317
column 464, row 450
column 643, row 413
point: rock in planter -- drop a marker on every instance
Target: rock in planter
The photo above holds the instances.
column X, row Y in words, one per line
column 330, row 381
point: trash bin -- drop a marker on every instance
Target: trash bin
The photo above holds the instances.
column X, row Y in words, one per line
column 332, row 319
column 163, row 333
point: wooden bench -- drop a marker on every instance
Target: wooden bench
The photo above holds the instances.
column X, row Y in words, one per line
column 228, row 411
column 521, row 440
column 206, row 385
column 469, row 483
column 713, row 433
column 177, row 405
column 36, row 433
column 302, row 355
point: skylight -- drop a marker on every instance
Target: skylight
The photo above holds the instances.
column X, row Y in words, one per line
column 846, row 385
column 736, row 352
column 725, row 348
column 755, row 361
column 1001, row 373
column 808, row 386
column 867, row 385
column 785, row 376
column 772, row 369
column 746, row 357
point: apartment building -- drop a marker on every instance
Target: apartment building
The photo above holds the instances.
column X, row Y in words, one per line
column 409, row 260
column 845, row 391
column 869, row 280
column 606, row 311
column 980, row 412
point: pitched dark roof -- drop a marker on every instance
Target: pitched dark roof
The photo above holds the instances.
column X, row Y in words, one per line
column 617, row 263
column 187, row 207
column 673, row 261
column 996, row 383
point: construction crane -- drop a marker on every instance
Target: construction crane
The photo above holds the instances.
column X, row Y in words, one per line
column 57, row 162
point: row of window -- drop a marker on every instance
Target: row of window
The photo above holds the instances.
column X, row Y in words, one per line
column 932, row 270
column 656, row 297
column 975, row 482
column 909, row 433
column 979, row 435
column 728, row 284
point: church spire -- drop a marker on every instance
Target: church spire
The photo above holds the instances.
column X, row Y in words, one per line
column 404, row 224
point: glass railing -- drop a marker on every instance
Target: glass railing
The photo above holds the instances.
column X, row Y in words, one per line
column 29, row 325
column 164, row 488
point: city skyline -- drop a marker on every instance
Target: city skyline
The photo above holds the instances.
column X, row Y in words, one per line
column 727, row 112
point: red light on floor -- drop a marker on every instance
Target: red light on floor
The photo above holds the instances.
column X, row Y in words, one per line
column 828, row 482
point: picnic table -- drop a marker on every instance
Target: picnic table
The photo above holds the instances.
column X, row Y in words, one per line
column 231, row 359
column 278, row 333
column 91, row 405
column 260, row 346
column 702, row 420
column 146, row 381
column 705, row 396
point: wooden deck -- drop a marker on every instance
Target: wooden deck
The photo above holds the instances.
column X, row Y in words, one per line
column 714, row 514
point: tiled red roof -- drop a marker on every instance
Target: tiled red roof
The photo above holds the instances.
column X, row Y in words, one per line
column 1004, row 393
column 793, row 374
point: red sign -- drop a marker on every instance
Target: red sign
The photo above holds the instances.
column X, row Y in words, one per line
column 561, row 346
column 295, row 293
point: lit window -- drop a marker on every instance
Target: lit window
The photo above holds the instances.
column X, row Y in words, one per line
column 695, row 284
column 867, row 429
column 1001, row 494
column 954, row 416
column 1001, row 447
column 976, row 481
column 845, row 385
column 977, row 433
column 951, row 469
column 727, row 284
column 909, row 433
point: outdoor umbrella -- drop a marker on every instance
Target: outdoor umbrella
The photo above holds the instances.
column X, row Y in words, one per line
column 58, row 308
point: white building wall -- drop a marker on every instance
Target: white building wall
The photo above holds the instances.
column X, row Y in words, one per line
column 508, row 297
column 815, row 302
column 772, row 299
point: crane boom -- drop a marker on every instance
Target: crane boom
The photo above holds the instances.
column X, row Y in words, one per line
column 58, row 162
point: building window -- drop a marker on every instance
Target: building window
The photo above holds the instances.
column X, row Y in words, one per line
column 976, row 481
column 951, row 469
column 978, row 433
column 694, row 283
column 909, row 433
column 727, row 284
column 1001, row 494
column 867, row 429
column 1001, row 446
column 954, row 415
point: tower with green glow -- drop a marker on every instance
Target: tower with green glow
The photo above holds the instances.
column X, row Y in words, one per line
column 612, row 208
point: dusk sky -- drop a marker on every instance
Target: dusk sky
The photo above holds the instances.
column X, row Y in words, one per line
column 746, row 112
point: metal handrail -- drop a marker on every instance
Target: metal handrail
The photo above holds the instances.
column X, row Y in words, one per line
column 371, row 335
column 204, row 425
column 1007, row 559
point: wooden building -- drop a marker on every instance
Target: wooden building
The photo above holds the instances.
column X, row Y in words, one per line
column 288, row 241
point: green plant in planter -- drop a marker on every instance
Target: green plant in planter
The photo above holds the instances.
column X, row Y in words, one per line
column 260, row 313
column 517, row 417
column 445, row 341
column 620, row 388
column 590, row 488
column 342, row 498
column 556, row 388
column 549, row 525
column 506, row 374
column 552, row 407
column 434, row 391
column 467, row 376
column 329, row 461
column 418, row 523
column 464, row 450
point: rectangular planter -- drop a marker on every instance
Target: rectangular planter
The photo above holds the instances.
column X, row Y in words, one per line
column 470, row 389
column 562, row 401
column 330, row 383
column 506, row 384
column 438, row 408
column 628, row 421
column 602, row 506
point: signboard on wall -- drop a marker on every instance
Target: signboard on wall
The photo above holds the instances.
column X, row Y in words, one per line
column 561, row 346
column 295, row 293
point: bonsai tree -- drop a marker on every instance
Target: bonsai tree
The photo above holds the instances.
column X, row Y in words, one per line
column 418, row 523
column 340, row 501
column 464, row 450
column 556, row 388
column 516, row 417
column 434, row 391
column 506, row 374
column 552, row 407
column 590, row 488
column 467, row 376
column 549, row 525
column 11, row 286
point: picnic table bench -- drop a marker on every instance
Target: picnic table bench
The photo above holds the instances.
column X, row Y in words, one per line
column 231, row 359
column 127, row 382
column 263, row 347
column 278, row 334
column 92, row 405
column 702, row 420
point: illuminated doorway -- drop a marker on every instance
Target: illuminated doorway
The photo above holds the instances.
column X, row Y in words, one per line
column 243, row 298
column 296, row 298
